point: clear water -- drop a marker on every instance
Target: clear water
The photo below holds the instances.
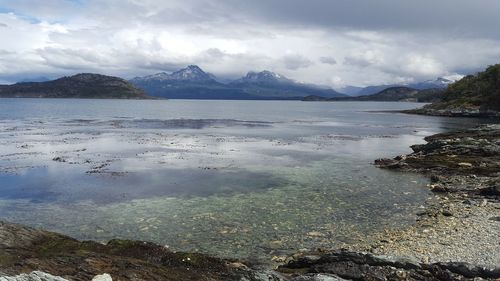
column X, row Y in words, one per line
column 248, row 179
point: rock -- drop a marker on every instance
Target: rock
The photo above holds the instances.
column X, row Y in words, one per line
column 438, row 188
column 465, row 165
column 102, row 277
column 483, row 203
column 236, row 265
column 494, row 219
column 470, row 271
column 421, row 213
column 279, row 259
column 364, row 266
column 33, row 276
column 58, row 159
column 447, row 213
column 25, row 248
column 317, row 277
column 315, row 234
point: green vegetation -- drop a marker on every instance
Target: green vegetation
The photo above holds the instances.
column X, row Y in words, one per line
column 478, row 92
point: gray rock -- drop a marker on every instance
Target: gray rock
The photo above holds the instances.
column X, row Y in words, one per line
column 102, row 277
column 33, row 276
column 317, row 277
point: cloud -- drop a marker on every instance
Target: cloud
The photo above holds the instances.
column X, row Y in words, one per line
column 364, row 59
column 328, row 60
column 295, row 62
column 318, row 41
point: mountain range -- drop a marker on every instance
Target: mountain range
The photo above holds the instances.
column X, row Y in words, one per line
column 391, row 94
column 439, row 83
column 85, row 85
column 194, row 83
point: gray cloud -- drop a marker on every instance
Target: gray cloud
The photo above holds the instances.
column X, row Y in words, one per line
column 395, row 41
column 328, row 60
column 295, row 62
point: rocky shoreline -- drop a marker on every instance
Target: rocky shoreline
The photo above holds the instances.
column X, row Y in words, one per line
column 454, row 238
column 473, row 112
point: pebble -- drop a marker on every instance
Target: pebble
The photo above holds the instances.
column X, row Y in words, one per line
column 315, row 234
column 447, row 213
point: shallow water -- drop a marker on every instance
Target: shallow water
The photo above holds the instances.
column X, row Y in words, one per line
column 249, row 179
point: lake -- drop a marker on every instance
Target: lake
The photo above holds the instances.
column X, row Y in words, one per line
column 247, row 179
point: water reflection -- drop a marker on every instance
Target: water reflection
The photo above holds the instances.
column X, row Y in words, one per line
column 246, row 179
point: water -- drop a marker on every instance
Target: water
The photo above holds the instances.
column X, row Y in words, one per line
column 249, row 179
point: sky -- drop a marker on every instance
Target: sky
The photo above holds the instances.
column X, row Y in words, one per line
column 328, row 42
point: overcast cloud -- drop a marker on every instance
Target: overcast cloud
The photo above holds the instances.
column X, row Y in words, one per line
column 329, row 42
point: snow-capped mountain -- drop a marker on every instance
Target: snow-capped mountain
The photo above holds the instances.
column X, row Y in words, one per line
column 269, row 84
column 191, row 73
column 262, row 77
column 193, row 83
column 438, row 83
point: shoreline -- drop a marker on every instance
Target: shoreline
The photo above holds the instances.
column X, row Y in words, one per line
column 459, row 224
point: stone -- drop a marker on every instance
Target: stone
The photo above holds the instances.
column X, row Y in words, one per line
column 447, row 213
column 315, row 234
column 317, row 277
column 102, row 277
column 33, row 276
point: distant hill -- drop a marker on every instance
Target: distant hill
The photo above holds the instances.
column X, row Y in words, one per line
column 473, row 95
column 193, row 83
column 391, row 94
column 85, row 85
column 439, row 83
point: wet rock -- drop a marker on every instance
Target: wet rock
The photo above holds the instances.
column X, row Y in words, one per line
column 317, row 277
column 22, row 249
column 364, row 266
column 58, row 159
column 464, row 161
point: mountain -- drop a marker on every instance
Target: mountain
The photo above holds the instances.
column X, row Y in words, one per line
column 263, row 78
column 193, row 83
column 85, row 85
column 473, row 95
column 392, row 94
column 271, row 85
column 439, row 83
column 188, row 83
column 191, row 73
